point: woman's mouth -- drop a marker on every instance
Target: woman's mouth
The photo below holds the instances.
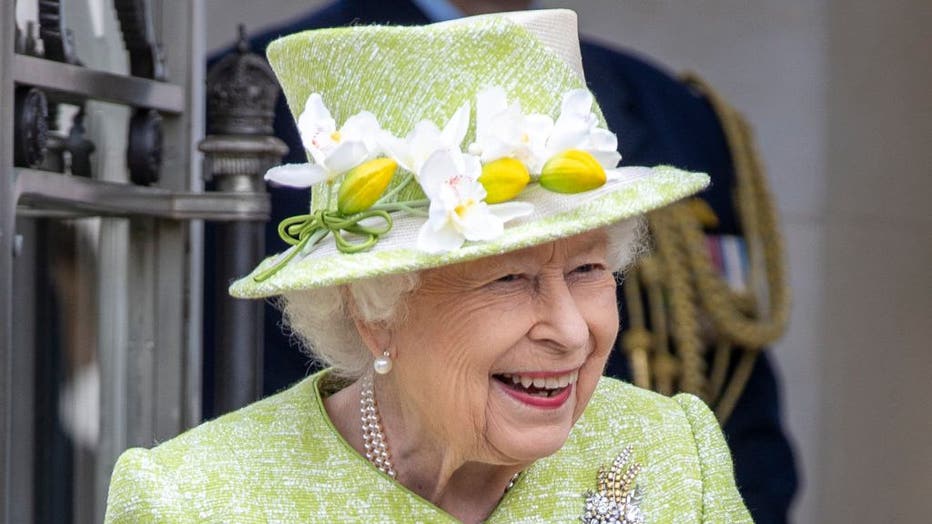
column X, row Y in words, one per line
column 539, row 389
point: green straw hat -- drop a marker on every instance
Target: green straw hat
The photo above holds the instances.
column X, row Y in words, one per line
column 444, row 143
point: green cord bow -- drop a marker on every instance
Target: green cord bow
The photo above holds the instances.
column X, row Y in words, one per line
column 307, row 230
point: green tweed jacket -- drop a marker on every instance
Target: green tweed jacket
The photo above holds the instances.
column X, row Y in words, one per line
column 281, row 460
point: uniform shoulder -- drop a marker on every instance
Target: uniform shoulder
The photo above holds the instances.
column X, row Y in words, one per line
column 600, row 59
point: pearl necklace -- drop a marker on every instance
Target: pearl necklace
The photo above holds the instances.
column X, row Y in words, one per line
column 373, row 436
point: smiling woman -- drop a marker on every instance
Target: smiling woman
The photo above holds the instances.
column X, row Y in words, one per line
column 319, row 318
column 539, row 314
column 514, row 345
column 460, row 290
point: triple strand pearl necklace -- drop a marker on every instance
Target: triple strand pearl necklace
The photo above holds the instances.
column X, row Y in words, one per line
column 374, row 441
column 372, row 435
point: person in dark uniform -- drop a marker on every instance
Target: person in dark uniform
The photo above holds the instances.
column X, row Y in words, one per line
column 659, row 120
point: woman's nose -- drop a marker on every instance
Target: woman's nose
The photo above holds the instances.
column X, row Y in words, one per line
column 561, row 323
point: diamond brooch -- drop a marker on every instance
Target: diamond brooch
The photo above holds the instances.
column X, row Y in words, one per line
column 618, row 498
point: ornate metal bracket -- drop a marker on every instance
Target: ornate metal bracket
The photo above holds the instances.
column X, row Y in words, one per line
column 31, row 125
column 80, row 147
column 144, row 151
column 145, row 54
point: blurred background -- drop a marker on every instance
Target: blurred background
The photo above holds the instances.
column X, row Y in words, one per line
column 839, row 93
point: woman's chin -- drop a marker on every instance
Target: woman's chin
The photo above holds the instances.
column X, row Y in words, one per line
column 530, row 426
column 528, row 446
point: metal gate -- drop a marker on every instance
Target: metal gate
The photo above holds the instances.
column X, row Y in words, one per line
column 101, row 223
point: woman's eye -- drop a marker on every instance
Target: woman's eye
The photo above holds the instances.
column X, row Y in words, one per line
column 588, row 270
column 509, row 278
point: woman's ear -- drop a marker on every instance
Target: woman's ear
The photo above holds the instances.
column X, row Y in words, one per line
column 375, row 335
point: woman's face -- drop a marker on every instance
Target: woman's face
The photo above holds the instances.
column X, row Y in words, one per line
column 499, row 356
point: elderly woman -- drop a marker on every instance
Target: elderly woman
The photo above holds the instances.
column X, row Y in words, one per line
column 457, row 280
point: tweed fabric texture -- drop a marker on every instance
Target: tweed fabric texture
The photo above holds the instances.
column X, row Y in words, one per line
column 555, row 29
column 406, row 74
column 281, row 460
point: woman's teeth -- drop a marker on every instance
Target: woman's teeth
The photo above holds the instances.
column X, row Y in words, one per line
column 539, row 383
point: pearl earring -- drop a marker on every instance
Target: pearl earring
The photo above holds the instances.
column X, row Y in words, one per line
column 383, row 364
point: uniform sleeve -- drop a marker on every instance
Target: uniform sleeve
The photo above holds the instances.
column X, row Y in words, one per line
column 721, row 501
column 141, row 490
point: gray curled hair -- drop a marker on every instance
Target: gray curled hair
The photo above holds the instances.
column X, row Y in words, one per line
column 321, row 319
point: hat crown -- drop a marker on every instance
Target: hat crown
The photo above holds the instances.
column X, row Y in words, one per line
column 556, row 29
column 493, row 123
column 406, row 75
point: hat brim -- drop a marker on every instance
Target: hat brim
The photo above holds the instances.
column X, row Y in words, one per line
column 639, row 191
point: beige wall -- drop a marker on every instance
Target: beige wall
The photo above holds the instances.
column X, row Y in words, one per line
column 838, row 94
column 878, row 254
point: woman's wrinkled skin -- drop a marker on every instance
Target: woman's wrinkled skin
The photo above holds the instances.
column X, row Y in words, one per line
column 456, row 437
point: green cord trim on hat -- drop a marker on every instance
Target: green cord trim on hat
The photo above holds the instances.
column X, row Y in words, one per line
column 661, row 186
column 305, row 231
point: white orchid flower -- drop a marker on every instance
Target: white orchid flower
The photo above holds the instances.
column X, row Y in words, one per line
column 426, row 138
column 333, row 151
column 577, row 127
column 458, row 211
column 503, row 130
